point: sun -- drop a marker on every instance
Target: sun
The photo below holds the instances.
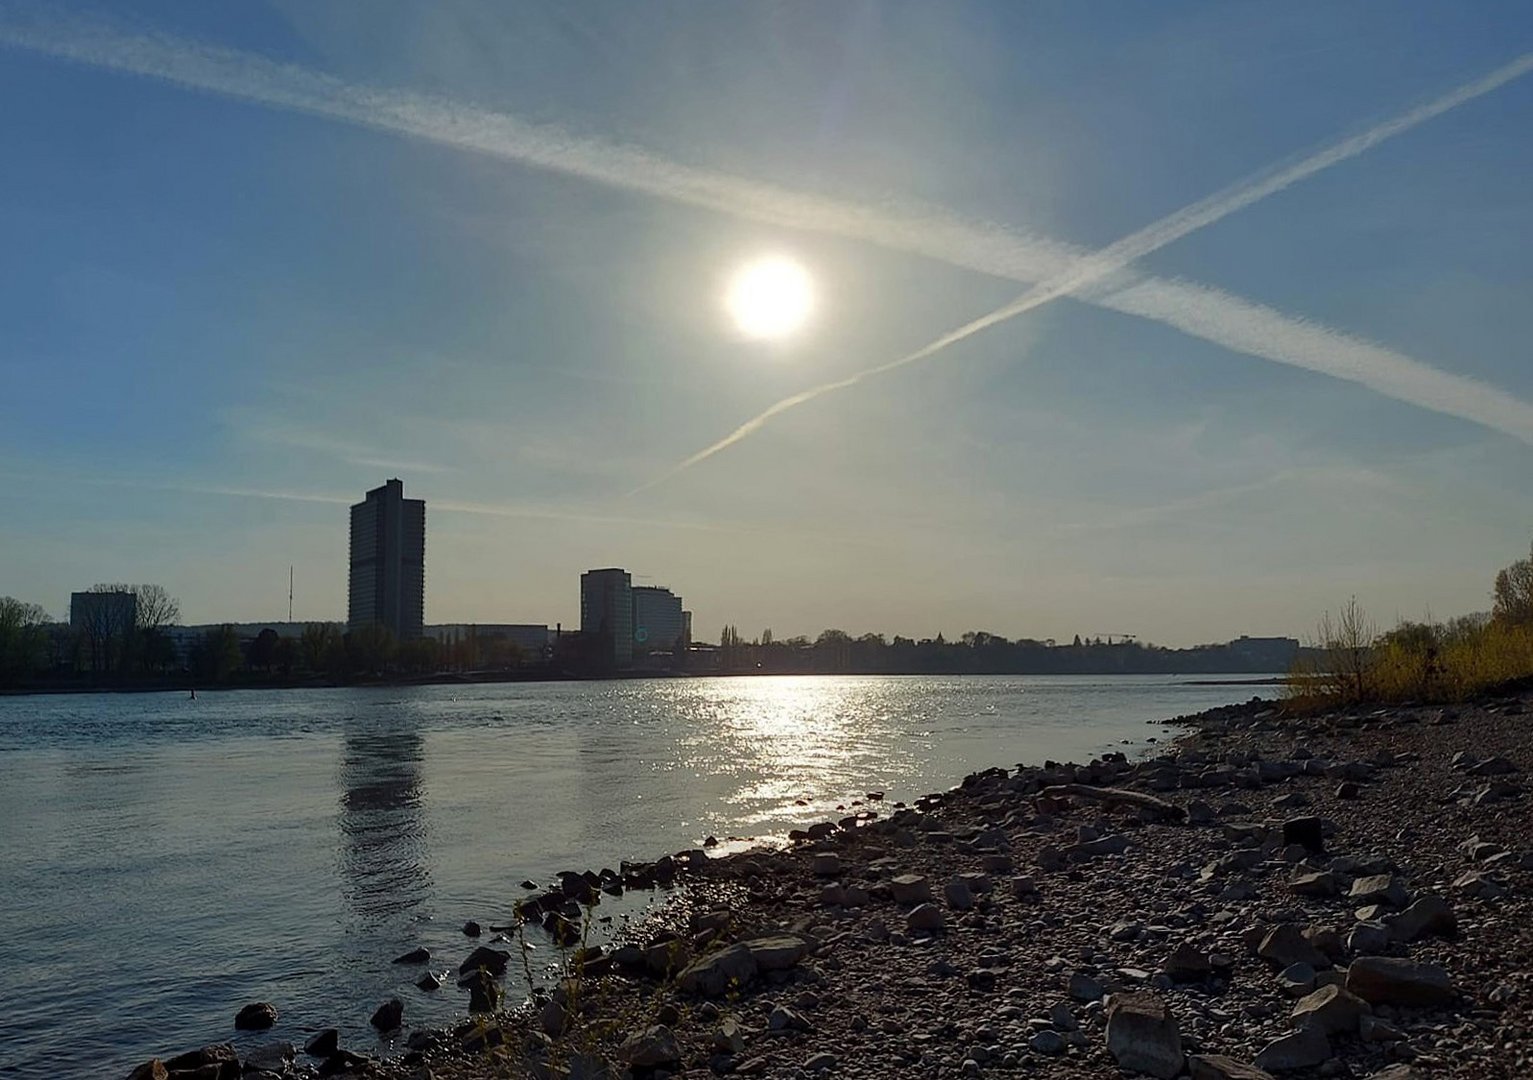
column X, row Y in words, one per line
column 770, row 297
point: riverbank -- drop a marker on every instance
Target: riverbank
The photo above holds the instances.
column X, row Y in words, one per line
column 1339, row 895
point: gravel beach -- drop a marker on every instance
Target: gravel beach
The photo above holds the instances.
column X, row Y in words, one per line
column 1348, row 894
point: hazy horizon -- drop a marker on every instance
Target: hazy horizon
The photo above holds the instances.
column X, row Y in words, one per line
column 1276, row 352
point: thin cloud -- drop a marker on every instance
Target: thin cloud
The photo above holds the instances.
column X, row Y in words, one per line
column 1403, row 376
column 934, row 233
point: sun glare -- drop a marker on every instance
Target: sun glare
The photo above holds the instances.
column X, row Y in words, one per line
column 770, row 298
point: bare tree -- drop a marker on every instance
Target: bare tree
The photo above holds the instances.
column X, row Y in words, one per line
column 156, row 607
column 1514, row 592
column 1348, row 642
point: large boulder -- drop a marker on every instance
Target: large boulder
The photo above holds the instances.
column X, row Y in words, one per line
column 485, row 958
column 1219, row 1067
column 1142, row 1035
column 1379, row 889
column 1285, row 944
column 1333, row 1009
column 910, row 889
column 720, row 972
column 258, row 1016
column 1428, row 916
column 217, row 1062
column 1385, row 980
column 153, row 1069
column 1303, row 1049
column 776, row 952
column 653, row 1048
column 389, row 1015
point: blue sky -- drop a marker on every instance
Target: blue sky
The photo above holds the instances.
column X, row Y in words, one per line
column 224, row 317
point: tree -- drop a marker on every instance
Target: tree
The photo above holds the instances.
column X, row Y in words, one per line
column 1348, row 642
column 286, row 655
column 263, row 650
column 1514, row 593
column 316, row 644
column 371, row 647
column 23, row 639
column 106, row 623
column 217, row 655
column 156, row 607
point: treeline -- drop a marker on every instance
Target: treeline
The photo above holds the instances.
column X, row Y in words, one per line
column 1353, row 662
column 980, row 652
column 121, row 630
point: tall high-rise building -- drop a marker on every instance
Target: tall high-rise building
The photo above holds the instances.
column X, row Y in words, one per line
column 388, row 562
column 606, row 609
column 657, row 619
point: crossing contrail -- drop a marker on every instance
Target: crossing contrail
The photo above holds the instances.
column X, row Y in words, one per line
column 1409, row 376
column 1203, row 312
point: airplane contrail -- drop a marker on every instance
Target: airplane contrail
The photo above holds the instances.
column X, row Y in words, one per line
column 1124, row 251
column 935, row 233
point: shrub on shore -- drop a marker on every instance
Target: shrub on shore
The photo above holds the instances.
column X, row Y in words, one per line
column 1350, row 662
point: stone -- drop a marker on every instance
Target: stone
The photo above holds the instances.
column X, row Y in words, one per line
column 216, row 1062
column 1187, row 964
column 1084, row 988
column 1383, row 980
column 910, row 889
column 1023, row 887
column 1333, row 1009
column 958, row 895
column 1348, row 789
column 821, row 1062
column 256, row 1017
column 1297, row 979
column 1480, row 886
column 484, row 994
column 485, row 958
column 1368, row 939
column 730, row 1037
column 1316, row 884
column 1372, row 1029
column 783, row 1018
column 1306, row 831
column 414, row 956
column 927, row 917
column 827, row 864
column 1048, row 1042
column 1379, row 888
column 653, row 1048
column 153, row 1069
column 776, row 952
column 389, row 1015
column 716, row 974
column 1303, row 1049
column 1285, row 944
column 430, row 981
column 1219, row 1067
column 323, row 1044
column 1430, row 915
column 472, row 929
column 1115, row 844
column 1142, row 1035
column 1062, row 1018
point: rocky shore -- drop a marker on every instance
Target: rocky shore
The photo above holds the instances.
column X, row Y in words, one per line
column 1342, row 895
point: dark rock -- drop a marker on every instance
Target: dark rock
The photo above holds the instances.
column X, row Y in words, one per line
column 1305, row 831
column 910, row 889
column 1303, row 1049
column 430, row 981
column 389, row 1015
column 1429, row 915
column 414, row 956
column 216, row 1062
column 323, row 1043
column 256, row 1017
column 1142, row 1035
column 1382, row 980
column 153, row 1069
column 472, row 929
column 1219, row 1067
column 1333, row 1009
column 653, row 1048
column 719, row 973
column 485, row 958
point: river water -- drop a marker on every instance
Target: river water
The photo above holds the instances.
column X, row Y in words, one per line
column 164, row 861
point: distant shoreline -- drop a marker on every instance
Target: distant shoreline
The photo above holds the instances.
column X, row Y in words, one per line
column 181, row 685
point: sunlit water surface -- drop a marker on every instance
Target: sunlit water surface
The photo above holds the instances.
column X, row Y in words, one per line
column 164, row 861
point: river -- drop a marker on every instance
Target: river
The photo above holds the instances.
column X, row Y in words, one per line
column 164, row 861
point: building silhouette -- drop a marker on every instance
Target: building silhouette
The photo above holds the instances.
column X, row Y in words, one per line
column 658, row 621
column 388, row 562
column 606, row 612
